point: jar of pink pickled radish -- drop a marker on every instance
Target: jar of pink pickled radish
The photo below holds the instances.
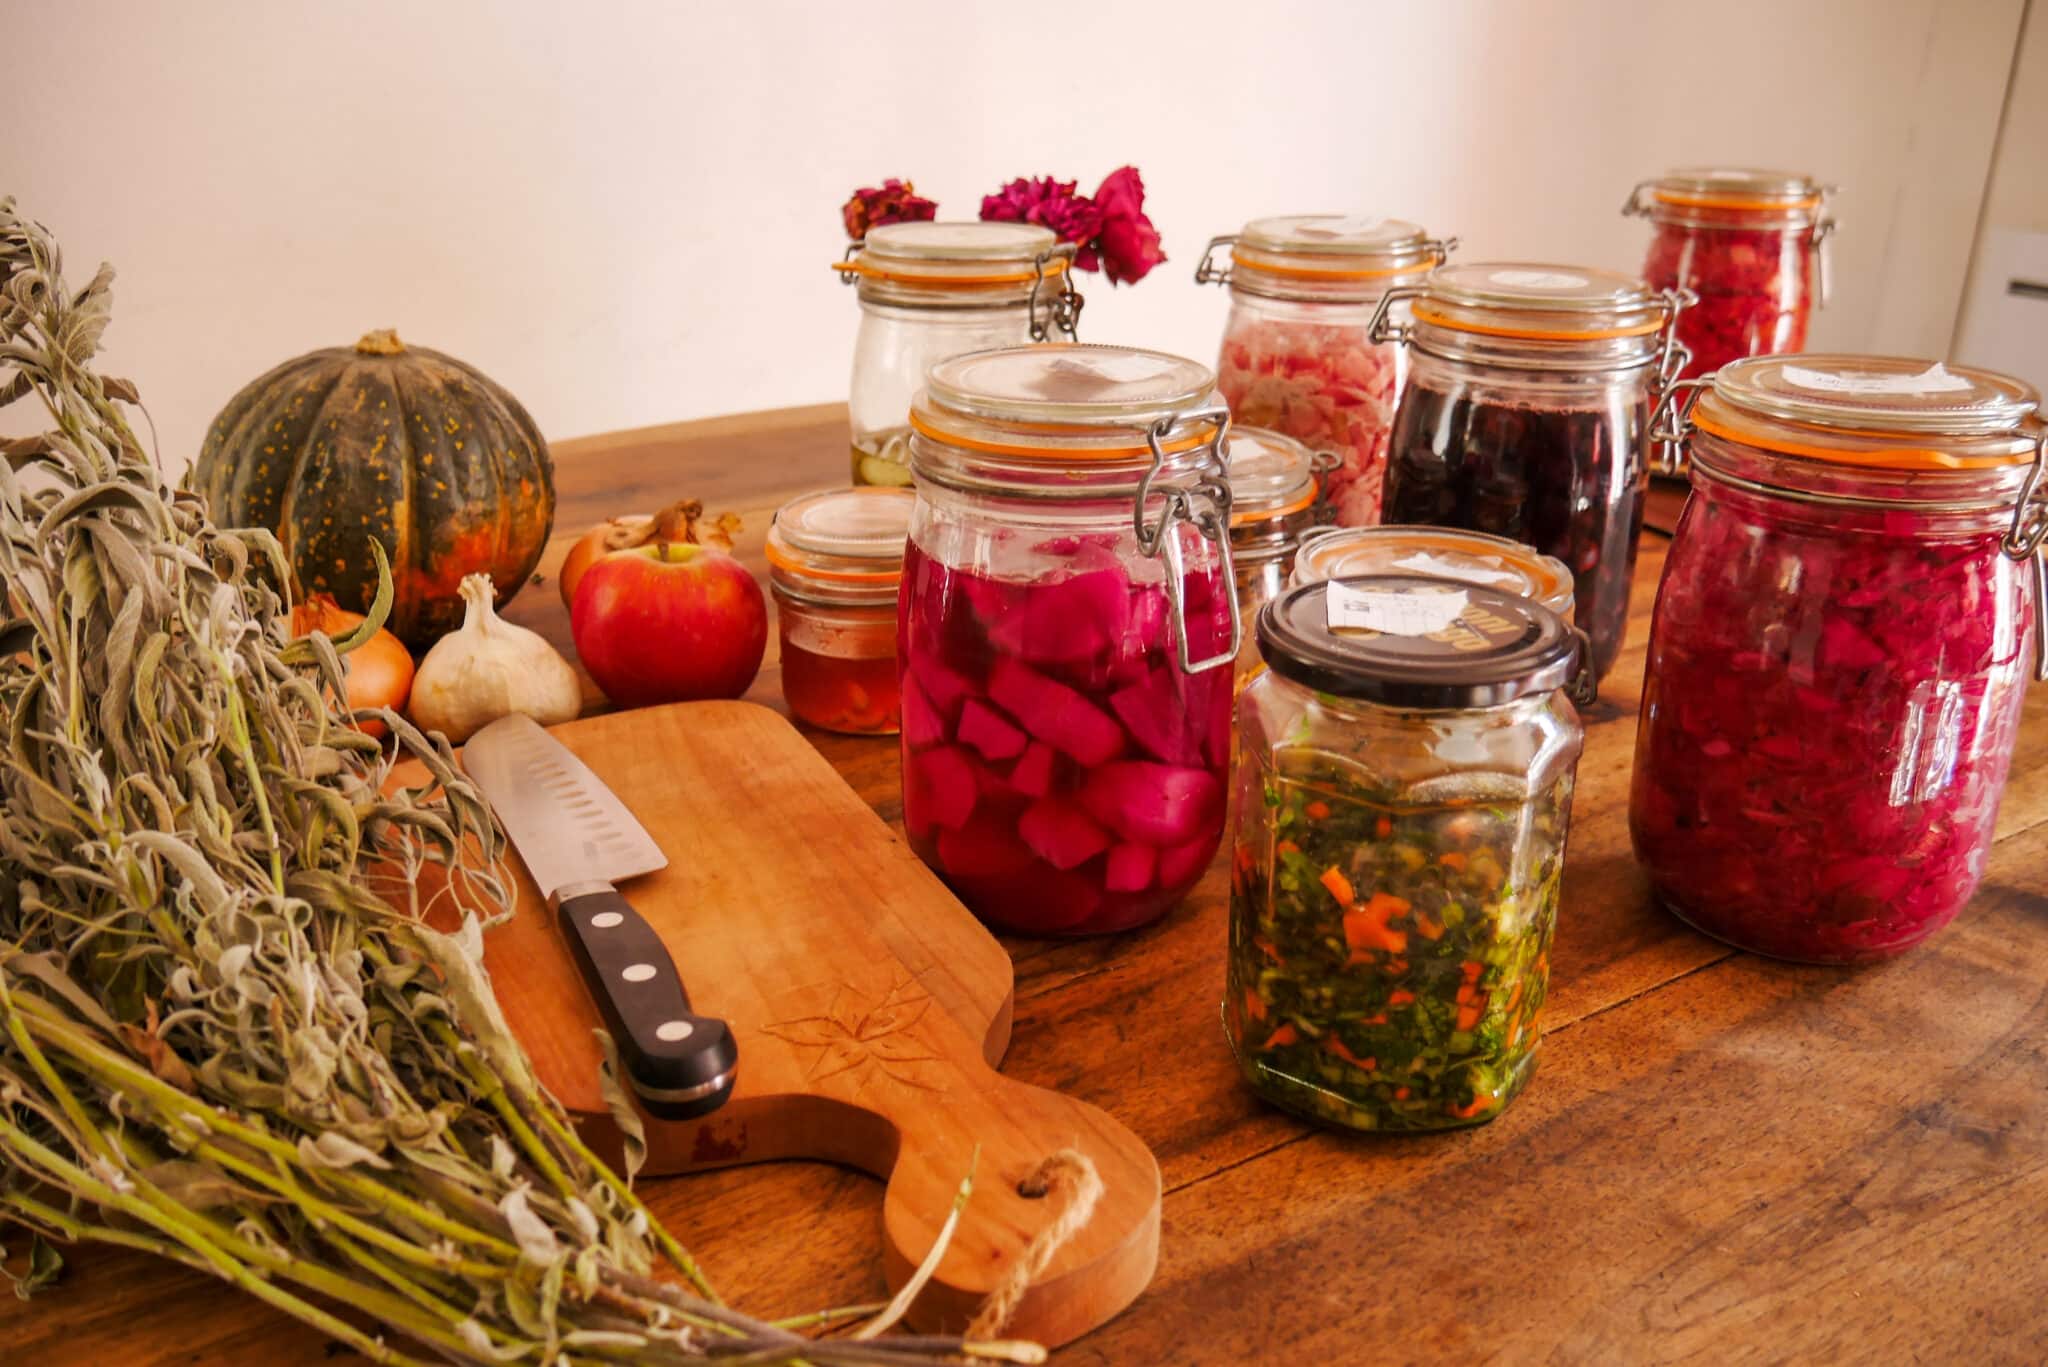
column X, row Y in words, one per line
column 1839, row 652
column 1066, row 632
column 1298, row 355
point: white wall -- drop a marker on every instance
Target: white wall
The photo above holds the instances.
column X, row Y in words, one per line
column 624, row 211
column 2001, row 327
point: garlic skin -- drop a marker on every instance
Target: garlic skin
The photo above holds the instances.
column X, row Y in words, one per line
column 489, row 668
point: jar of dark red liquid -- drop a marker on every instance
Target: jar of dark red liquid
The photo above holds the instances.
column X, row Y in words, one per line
column 835, row 561
column 1066, row 632
column 1751, row 245
column 1298, row 357
column 1839, row 650
column 1527, row 415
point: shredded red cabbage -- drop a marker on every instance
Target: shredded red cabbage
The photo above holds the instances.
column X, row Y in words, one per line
column 1828, row 715
column 1755, row 289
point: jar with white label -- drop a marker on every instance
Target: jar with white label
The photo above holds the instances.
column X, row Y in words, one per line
column 1297, row 355
column 1527, row 416
column 1403, row 793
column 1439, row 553
column 1276, row 499
column 1841, row 645
column 933, row 290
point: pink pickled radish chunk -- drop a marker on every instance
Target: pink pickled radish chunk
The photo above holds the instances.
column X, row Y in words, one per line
column 984, row 848
column 942, row 684
column 1151, row 711
column 1055, row 713
column 1154, row 804
column 1185, row 863
column 1130, row 868
column 1060, row 833
column 922, row 723
column 989, row 731
column 1033, row 772
column 942, row 787
column 1062, row 620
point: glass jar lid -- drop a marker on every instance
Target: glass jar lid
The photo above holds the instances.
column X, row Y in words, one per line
column 956, row 253
column 1438, row 553
column 1872, row 411
column 1066, row 401
column 848, row 540
column 1317, row 256
column 1271, row 475
column 1728, row 187
column 1416, row 642
column 1532, row 299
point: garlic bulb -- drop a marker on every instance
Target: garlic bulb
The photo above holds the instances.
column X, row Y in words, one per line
column 489, row 668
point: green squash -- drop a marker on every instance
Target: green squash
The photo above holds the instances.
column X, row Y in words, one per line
column 401, row 444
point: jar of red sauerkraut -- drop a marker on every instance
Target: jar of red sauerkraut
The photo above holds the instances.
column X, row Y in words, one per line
column 1527, row 415
column 835, row 561
column 1297, row 353
column 1066, row 631
column 1751, row 245
column 1276, row 488
column 1839, row 650
column 933, row 290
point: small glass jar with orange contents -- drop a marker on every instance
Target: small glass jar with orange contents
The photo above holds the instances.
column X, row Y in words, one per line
column 1276, row 487
column 835, row 561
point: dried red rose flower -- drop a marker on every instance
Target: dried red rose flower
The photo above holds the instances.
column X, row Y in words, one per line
column 1129, row 244
column 895, row 201
column 1050, row 204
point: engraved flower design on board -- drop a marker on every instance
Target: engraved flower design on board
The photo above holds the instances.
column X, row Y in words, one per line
column 860, row 1035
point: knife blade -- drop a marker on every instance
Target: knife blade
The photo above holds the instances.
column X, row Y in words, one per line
column 577, row 840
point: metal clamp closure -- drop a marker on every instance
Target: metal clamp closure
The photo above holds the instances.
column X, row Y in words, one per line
column 1206, row 508
column 1383, row 328
column 1671, row 422
column 1584, row 688
column 1207, row 272
column 1822, row 231
column 848, row 276
column 1066, row 305
column 1323, row 464
column 1633, row 206
column 2023, row 541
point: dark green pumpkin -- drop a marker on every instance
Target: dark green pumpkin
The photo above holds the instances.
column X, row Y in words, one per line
column 403, row 444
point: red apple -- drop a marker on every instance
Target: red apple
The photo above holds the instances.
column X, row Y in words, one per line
column 669, row 621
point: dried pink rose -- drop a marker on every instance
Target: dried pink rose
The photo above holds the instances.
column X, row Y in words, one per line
column 1129, row 244
column 1050, row 204
column 895, row 201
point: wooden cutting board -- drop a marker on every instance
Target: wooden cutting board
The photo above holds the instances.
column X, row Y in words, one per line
column 870, row 1007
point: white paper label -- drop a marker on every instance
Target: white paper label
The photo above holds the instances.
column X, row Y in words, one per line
column 1351, row 225
column 1422, row 562
column 1936, row 379
column 1396, row 614
column 1120, row 367
column 1539, row 280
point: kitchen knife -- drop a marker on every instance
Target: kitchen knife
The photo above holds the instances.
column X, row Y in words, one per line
column 578, row 839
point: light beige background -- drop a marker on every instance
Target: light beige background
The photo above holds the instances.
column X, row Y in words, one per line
column 624, row 211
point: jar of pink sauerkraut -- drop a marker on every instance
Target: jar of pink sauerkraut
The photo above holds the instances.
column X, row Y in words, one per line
column 1298, row 356
column 1066, row 632
column 1839, row 651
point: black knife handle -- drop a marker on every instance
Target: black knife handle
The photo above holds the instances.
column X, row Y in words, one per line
column 678, row 1063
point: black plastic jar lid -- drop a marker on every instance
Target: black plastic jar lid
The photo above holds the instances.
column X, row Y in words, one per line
column 1444, row 645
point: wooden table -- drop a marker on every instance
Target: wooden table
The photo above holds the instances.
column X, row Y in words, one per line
column 1722, row 1159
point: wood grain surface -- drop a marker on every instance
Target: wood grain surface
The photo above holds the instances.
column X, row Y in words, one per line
column 1720, row 1160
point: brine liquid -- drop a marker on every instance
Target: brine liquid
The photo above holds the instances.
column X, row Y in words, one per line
column 882, row 459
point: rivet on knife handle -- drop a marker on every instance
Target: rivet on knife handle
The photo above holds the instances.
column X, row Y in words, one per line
column 678, row 1063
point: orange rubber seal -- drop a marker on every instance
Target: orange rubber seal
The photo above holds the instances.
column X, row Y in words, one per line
column 1318, row 273
column 1085, row 453
column 1054, row 265
column 1686, row 201
column 1251, row 515
column 783, row 560
column 1895, row 458
column 1424, row 314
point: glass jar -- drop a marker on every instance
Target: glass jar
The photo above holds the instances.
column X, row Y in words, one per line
column 835, row 564
column 1838, row 653
column 1297, row 353
column 933, row 290
column 1276, row 488
column 1404, row 786
column 1067, row 629
column 1438, row 553
column 1527, row 416
column 1750, row 244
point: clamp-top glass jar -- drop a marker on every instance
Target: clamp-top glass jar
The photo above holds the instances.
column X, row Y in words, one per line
column 1527, row 416
column 1839, row 651
column 1067, row 630
column 1751, row 244
column 1404, row 785
column 1298, row 356
column 933, row 290
column 1277, row 497
column 835, row 564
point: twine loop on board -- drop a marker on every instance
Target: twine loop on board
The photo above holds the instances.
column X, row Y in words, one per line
column 1069, row 1182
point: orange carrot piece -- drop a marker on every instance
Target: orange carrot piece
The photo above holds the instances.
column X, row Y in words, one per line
column 1468, row 1015
column 1254, row 1005
column 1336, row 1046
column 1384, row 828
column 1287, row 847
column 1480, row 1101
column 1341, row 889
column 1400, row 997
column 1453, row 861
column 1282, row 1037
column 1317, row 811
column 1400, row 1094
